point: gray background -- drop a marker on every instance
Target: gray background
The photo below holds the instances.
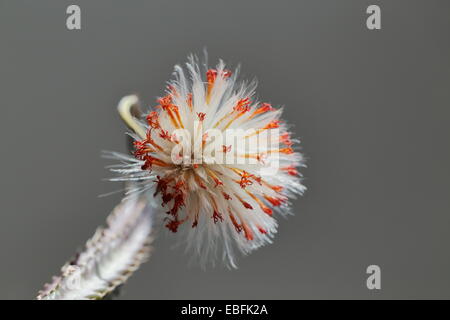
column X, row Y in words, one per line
column 371, row 107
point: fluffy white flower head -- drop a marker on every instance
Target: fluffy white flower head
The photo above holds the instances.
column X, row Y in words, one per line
column 221, row 164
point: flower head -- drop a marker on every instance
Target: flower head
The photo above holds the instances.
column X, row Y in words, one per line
column 220, row 163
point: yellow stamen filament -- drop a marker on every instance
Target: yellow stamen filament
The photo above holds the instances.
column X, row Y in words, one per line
column 159, row 162
column 222, row 119
column 172, row 117
column 232, row 120
column 214, row 176
column 265, row 208
column 177, row 114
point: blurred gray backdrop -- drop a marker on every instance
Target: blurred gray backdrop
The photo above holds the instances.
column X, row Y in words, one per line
column 371, row 109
